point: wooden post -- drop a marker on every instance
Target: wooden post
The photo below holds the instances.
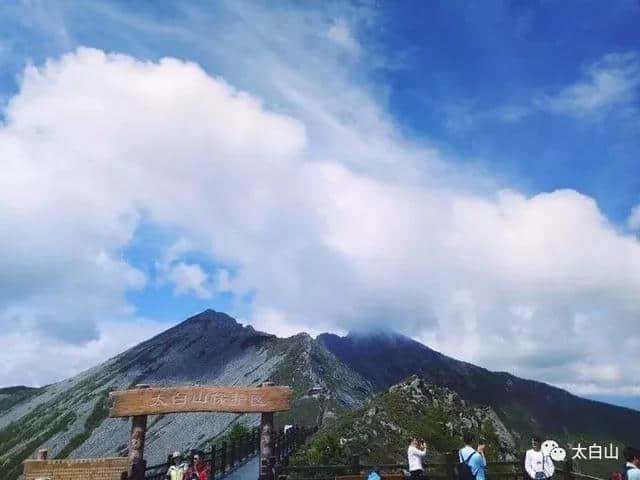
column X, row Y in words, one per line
column 213, row 461
column 223, row 457
column 451, row 459
column 272, row 468
column 276, row 445
column 355, row 465
column 568, row 469
column 42, row 454
column 263, row 473
column 266, row 440
column 136, row 444
column 523, row 471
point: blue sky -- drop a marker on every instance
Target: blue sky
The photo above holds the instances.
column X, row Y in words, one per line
column 435, row 166
column 471, row 59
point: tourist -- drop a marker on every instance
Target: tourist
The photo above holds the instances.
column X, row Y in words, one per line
column 199, row 470
column 473, row 461
column 538, row 465
column 632, row 456
column 177, row 469
column 416, row 455
column 374, row 474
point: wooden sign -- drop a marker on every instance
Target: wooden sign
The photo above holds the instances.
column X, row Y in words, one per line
column 94, row 468
column 153, row 401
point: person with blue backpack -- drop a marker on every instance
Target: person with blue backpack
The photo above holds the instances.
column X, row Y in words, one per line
column 374, row 474
column 472, row 461
column 631, row 469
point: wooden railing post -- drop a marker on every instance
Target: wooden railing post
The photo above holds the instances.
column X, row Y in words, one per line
column 450, row 459
column 523, row 470
column 355, row 465
column 255, row 440
column 223, row 457
column 232, row 454
column 287, row 445
column 264, row 469
column 568, row 469
column 213, row 461
column 272, row 468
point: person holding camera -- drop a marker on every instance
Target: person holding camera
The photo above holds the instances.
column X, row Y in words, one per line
column 416, row 454
column 472, row 461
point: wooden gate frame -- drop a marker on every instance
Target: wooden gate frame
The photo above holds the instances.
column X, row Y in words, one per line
column 144, row 400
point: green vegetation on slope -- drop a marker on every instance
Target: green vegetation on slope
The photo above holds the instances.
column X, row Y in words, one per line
column 51, row 425
column 380, row 430
column 19, row 439
column 96, row 417
column 11, row 396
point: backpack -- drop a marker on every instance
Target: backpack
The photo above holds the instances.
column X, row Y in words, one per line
column 464, row 470
column 373, row 476
column 621, row 474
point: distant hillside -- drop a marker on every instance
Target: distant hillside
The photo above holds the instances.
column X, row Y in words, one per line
column 380, row 430
column 524, row 406
column 10, row 396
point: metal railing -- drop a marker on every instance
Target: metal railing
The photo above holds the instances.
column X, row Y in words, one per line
column 224, row 457
column 447, row 470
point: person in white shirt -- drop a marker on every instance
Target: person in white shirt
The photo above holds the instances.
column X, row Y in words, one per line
column 537, row 465
column 632, row 456
column 178, row 469
column 416, row 454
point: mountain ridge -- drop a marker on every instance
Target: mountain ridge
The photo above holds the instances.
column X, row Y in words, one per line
column 528, row 406
column 330, row 376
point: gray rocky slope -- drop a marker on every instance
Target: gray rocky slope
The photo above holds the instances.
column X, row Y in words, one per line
column 70, row 417
column 329, row 375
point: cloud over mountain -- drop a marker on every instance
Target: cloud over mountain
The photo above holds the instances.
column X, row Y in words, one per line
column 329, row 218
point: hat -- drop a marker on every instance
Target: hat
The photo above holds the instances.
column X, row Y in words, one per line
column 176, row 454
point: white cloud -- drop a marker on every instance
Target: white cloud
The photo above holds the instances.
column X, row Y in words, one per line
column 634, row 218
column 340, row 34
column 313, row 199
column 608, row 86
column 190, row 278
column 35, row 359
column 607, row 83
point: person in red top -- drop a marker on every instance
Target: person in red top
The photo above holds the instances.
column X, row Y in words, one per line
column 199, row 470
